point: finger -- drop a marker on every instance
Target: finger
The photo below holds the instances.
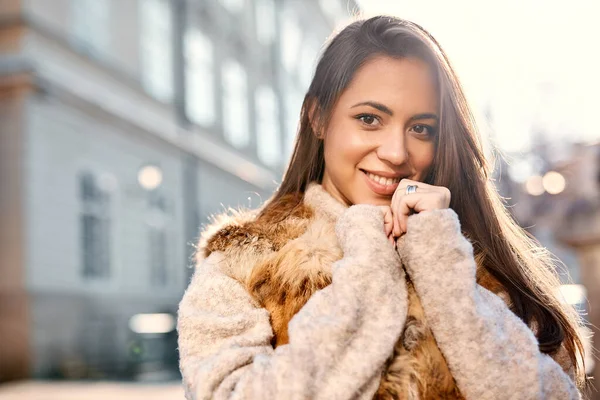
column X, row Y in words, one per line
column 396, row 226
column 404, row 223
column 398, row 210
column 405, row 182
column 405, row 207
column 416, row 203
column 389, row 225
column 398, row 220
column 419, row 202
column 387, row 219
column 422, row 188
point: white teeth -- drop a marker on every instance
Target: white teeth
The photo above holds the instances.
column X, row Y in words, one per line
column 382, row 180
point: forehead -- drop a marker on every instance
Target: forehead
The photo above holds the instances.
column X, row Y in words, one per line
column 394, row 82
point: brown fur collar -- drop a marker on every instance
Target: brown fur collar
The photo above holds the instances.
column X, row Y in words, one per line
column 285, row 256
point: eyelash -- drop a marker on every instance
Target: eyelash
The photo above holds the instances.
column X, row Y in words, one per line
column 432, row 131
column 360, row 116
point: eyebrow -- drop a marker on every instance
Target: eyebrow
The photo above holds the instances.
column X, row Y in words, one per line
column 386, row 110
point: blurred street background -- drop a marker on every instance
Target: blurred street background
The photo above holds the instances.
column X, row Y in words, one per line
column 124, row 124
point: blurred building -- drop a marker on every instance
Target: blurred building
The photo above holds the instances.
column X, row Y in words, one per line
column 552, row 196
column 124, row 124
column 579, row 229
column 558, row 202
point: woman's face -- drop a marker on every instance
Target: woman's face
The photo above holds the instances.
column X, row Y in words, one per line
column 382, row 130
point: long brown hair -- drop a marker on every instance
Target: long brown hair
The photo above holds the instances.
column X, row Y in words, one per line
column 507, row 252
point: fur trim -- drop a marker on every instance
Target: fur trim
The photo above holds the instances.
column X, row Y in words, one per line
column 417, row 369
column 284, row 282
column 283, row 254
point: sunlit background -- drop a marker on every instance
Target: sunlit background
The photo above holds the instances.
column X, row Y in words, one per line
column 126, row 123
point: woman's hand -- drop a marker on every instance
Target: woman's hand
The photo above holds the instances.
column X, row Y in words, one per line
column 388, row 223
column 427, row 197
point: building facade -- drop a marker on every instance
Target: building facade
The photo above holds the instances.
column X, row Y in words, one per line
column 125, row 124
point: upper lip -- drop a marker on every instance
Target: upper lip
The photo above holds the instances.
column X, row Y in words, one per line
column 391, row 175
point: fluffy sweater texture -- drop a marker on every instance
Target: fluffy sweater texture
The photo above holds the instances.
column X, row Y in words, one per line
column 312, row 302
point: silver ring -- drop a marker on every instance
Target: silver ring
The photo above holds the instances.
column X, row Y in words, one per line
column 411, row 189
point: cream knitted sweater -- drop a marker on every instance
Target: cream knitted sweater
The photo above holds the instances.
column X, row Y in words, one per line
column 341, row 338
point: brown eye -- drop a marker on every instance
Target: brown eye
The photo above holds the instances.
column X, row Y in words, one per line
column 419, row 128
column 368, row 119
column 423, row 130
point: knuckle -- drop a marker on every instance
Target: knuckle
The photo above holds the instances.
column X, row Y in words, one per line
column 447, row 193
column 444, row 191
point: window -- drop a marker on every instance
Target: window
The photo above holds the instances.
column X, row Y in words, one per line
column 90, row 23
column 157, row 223
column 333, row 9
column 268, row 144
column 157, row 240
column 200, row 91
column 293, row 104
column 291, row 40
column 308, row 62
column 235, row 104
column 95, row 225
column 156, row 36
column 264, row 11
column 233, row 5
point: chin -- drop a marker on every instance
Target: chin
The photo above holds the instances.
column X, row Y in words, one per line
column 373, row 199
column 381, row 201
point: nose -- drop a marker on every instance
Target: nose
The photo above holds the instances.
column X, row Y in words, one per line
column 392, row 148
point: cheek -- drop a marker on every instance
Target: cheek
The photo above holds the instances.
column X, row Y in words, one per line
column 345, row 148
column 422, row 158
column 334, row 153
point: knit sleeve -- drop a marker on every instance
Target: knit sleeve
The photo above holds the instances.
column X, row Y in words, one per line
column 491, row 353
column 338, row 342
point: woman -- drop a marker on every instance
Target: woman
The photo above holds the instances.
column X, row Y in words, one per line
column 356, row 279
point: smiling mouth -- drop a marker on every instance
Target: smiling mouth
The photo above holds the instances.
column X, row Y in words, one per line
column 382, row 180
column 381, row 185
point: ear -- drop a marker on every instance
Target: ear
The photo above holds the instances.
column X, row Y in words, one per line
column 314, row 116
